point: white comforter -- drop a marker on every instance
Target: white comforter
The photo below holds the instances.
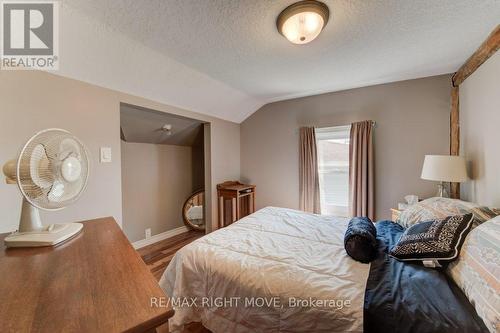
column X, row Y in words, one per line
column 286, row 259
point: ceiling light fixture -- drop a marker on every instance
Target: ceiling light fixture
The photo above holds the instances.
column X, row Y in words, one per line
column 303, row 21
column 167, row 128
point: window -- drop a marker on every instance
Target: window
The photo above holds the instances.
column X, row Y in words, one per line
column 333, row 168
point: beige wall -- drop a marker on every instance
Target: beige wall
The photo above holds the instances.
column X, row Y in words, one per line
column 225, row 145
column 32, row 100
column 198, row 159
column 156, row 180
column 479, row 128
column 412, row 120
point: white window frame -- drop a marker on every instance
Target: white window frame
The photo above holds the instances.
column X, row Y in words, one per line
column 332, row 133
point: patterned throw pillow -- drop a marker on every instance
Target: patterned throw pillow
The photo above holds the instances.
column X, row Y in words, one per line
column 477, row 271
column 434, row 243
column 439, row 208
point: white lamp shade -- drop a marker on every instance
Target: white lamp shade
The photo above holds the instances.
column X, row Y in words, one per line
column 444, row 168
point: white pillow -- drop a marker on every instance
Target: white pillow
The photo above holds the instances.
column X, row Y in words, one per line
column 477, row 271
column 439, row 208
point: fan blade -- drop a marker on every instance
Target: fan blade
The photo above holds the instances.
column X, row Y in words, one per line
column 40, row 167
column 56, row 193
column 68, row 147
column 71, row 190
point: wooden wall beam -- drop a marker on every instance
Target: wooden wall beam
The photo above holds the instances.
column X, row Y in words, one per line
column 486, row 50
column 454, row 136
column 483, row 53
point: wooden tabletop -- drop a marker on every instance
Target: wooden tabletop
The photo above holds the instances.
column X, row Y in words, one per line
column 237, row 187
column 95, row 282
column 234, row 185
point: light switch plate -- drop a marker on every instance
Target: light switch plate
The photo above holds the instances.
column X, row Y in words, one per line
column 105, row 155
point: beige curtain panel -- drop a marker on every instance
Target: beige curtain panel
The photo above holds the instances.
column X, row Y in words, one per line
column 361, row 170
column 308, row 171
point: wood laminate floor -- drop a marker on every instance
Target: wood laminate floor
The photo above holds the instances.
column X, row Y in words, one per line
column 158, row 255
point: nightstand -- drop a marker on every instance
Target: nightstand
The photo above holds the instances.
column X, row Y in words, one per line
column 395, row 213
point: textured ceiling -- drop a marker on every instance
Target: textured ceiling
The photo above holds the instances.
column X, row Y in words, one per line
column 229, row 53
column 145, row 126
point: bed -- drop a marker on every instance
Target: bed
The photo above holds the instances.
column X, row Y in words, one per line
column 281, row 270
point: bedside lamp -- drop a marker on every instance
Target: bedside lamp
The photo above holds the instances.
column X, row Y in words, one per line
column 444, row 168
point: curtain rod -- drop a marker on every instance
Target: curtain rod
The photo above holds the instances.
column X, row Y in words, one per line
column 374, row 124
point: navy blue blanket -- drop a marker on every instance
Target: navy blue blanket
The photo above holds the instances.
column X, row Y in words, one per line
column 406, row 297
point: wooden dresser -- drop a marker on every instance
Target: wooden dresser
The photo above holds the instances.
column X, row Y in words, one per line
column 95, row 282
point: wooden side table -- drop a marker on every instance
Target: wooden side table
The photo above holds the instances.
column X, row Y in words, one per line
column 236, row 200
column 94, row 282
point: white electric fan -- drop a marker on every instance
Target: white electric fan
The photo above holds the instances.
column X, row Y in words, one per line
column 51, row 172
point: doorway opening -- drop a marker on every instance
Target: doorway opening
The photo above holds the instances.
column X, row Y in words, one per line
column 163, row 174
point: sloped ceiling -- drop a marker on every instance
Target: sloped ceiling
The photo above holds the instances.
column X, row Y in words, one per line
column 145, row 126
column 225, row 58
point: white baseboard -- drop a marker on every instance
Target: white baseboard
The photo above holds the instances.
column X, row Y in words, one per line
column 159, row 237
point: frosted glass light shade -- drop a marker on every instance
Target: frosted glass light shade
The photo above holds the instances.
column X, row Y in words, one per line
column 444, row 168
column 303, row 28
column 303, row 21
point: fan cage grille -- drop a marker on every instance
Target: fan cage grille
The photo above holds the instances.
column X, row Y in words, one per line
column 47, row 149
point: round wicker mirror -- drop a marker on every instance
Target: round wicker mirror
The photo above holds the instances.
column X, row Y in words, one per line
column 192, row 211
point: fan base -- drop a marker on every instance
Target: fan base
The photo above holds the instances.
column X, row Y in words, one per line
column 48, row 236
